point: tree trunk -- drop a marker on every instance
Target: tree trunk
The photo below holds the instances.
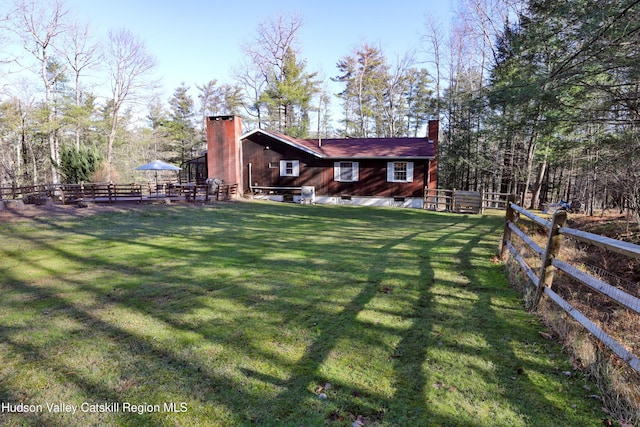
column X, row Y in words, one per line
column 78, row 107
column 530, row 157
column 53, row 145
column 538, row 184
column 112, row 138
column 539, row 179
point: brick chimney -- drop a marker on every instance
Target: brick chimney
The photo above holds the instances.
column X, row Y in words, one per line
column 433, row 164
column 224, row 149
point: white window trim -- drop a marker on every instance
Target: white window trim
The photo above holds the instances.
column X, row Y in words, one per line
column 337, row 168
column 295, row 164
column 391, row 172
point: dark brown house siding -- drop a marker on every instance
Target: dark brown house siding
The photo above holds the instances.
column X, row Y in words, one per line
column 265, row 165
column 265, row 172
column 372, row 181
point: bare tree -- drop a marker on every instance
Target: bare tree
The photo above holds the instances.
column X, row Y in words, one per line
column 274, row 39
column 129, row 65
column 434, row 38
column 274, row 42
column 5, row 57
column 82, row 54
column 39, row 25
column 252, row 83
column 395, row 89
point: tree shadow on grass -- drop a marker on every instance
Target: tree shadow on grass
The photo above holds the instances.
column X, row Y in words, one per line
column 139, row 347
column 297, row 390
column 306, row 373
column 170, row 370
column 296, row 401
column 409, row 405
column 493, row 360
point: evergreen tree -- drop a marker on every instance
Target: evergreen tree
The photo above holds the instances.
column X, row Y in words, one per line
column 420, row 104
column 288, row 96
column 364, row 75
column 78, row 164
column 180, row 128
column 217, row 100
column 379, row 101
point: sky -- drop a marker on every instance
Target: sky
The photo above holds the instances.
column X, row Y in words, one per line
column 196, row 41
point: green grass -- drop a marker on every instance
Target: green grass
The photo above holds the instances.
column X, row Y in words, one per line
column 246, row 311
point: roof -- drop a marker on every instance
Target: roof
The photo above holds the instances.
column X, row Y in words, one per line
column 355, row 148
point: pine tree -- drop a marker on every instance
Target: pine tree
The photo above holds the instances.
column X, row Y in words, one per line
column 180, row 128
column 288, row 97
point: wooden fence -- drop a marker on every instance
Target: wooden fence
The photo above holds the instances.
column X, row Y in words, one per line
column 15, row 192
column 71, row 193
column 448, row 200
column 550, row 263
column 105, row 192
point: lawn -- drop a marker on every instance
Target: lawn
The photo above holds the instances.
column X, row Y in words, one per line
column 273, row 314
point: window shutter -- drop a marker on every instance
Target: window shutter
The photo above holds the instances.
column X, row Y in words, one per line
column 283, row 168
column 389, row 171
column 296, row 168
column 409, row 171
column 336, row 171
column 354, row 171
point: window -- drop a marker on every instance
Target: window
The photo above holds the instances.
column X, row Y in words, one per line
column 289, row 168
column 345, row 171
column 400, row 171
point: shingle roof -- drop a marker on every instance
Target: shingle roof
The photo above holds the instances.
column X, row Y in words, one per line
column 357, row 148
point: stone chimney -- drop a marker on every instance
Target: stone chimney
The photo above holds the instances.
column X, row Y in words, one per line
column 224, row 149
column 432, row 135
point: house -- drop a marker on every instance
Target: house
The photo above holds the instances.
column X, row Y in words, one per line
column 366, row 171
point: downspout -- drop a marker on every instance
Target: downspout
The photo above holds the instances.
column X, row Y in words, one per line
column 250, row 180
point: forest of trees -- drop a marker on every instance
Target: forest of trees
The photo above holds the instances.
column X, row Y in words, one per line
column 536, row 97
column 549, row 107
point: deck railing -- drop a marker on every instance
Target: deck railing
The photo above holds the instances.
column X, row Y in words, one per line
column 108, row 192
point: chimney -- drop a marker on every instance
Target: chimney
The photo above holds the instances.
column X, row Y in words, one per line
column 224, row 149
column 433, row 164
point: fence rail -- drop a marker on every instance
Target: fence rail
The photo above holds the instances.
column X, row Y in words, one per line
column 107, row 192
column 15, row 192
column 550, row 262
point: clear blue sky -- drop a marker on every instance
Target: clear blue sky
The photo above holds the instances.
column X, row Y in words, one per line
column 198, row 40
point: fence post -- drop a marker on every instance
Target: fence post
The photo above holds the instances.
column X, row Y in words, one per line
column 554, row 242
column 427, row 194
column 510, row 217
column 452, row 200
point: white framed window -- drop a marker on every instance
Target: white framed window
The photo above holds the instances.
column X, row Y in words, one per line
column 345, row 171
column 289, row 168
column 400, row 171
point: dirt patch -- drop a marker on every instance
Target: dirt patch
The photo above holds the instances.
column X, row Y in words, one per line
column 12, row 213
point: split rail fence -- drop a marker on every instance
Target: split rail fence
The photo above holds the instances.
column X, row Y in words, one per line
column 544, row 278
